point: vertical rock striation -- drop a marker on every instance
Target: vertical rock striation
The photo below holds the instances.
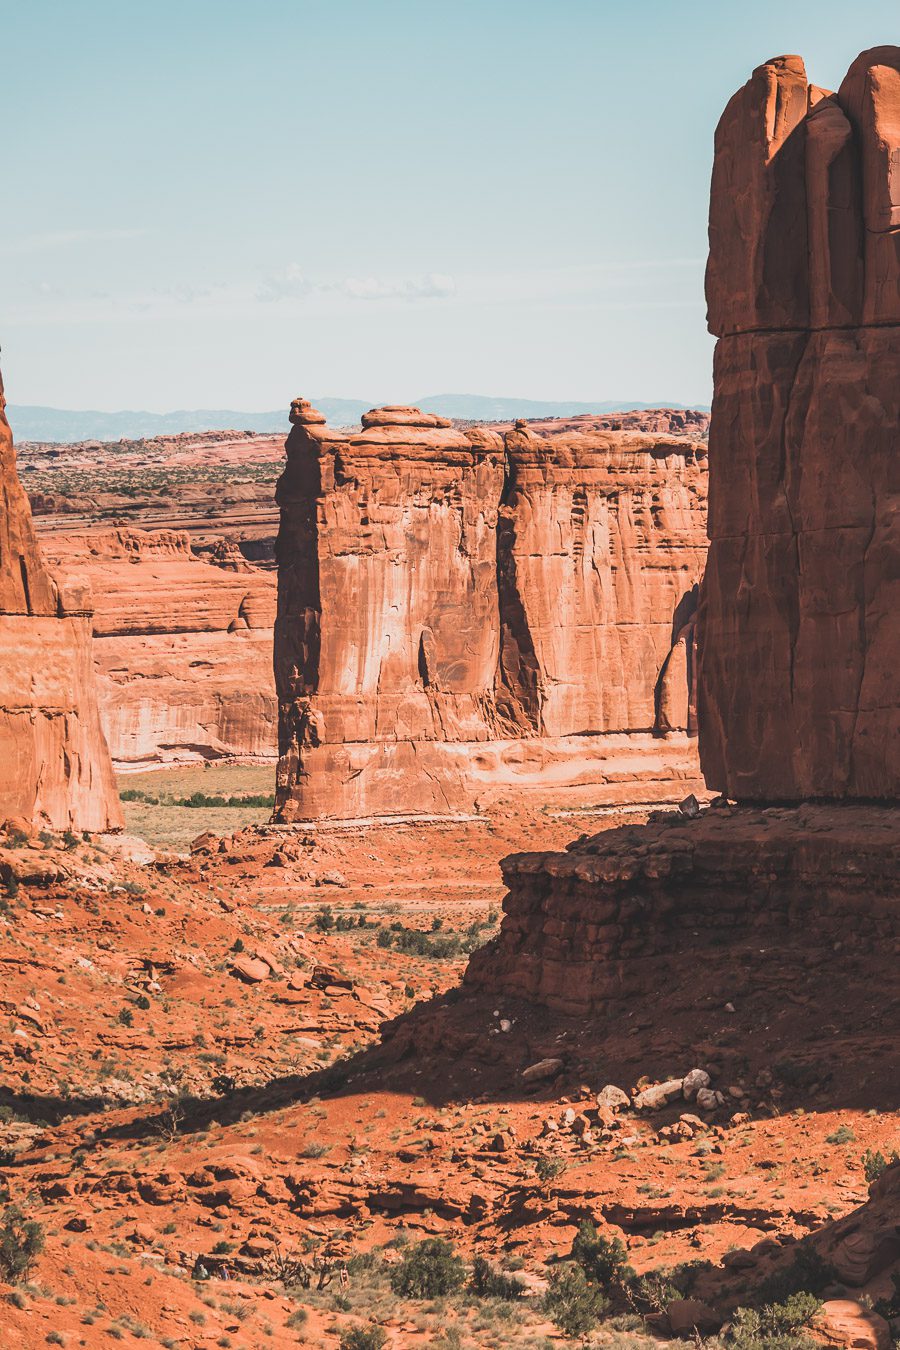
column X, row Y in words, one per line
column 460, row 611
column 54, row 762
column 799, row 688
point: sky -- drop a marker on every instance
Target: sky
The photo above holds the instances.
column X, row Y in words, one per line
column 213, row 203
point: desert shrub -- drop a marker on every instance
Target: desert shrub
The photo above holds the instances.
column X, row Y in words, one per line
column 487, row 1282
column 324, row 919
column 774, row 1326
column 363, row 1338
column 572, row 1303
column 874, row 1164
column 21, row 1243
column 842, row 1135
column 428, row 1269
column 548, row 1169
column 654, row 1291
column 603, row 1260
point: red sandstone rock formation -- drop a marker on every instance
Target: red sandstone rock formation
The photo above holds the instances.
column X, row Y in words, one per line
column 799, row 692
column 458, row 611
column 183, row 647
column 54, row 763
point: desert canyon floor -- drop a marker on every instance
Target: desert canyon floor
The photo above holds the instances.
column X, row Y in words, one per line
column 262, row 1058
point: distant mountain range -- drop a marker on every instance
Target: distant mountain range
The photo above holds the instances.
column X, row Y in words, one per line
column 32, row 423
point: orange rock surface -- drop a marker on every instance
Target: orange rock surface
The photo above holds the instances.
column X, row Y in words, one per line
column 54, row 762
column 183, row 646
column 799, row 692
column 461, row 611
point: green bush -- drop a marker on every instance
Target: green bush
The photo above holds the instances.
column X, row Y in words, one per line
column 603, row 1260
column 428, row 1269
column 21, row 1243
column 874, row 1164
column 487, row 1282
column 774, row 1326
column 572, row 1303
column 842, row 1135
column 363, row 1338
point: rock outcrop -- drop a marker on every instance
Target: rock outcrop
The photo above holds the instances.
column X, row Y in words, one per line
column 54, row 763
column 461, row 611
column 798, row 628
column 182, row 646
column 735, row 893
column 799, row 691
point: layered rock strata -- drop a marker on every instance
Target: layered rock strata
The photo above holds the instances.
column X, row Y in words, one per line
column 461, row 611
column 54, row 763
column 182, row 646
column 799, row 692
column 593, row 929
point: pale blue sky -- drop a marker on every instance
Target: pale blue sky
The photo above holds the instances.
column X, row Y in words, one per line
column 218, row 203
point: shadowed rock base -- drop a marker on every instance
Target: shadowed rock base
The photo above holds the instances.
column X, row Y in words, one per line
column 737, row 891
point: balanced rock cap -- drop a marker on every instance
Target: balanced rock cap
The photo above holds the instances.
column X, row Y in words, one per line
column 302, row 411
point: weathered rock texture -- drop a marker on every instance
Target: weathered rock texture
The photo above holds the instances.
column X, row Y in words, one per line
column 799, row 690
column 183, row 647
column 621, row 913
column 459, row 611
column 54, row 762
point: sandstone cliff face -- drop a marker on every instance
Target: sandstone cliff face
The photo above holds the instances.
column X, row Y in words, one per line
column 183, row 648
column 459, row 610
column 599, row 549
column 54, row 762
column 799, row 691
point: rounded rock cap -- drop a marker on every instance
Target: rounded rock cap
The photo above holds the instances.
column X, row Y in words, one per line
column 303, row 412
column 399, row 415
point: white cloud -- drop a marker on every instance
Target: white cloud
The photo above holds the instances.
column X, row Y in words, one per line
column 434, row 285
column 293, row 284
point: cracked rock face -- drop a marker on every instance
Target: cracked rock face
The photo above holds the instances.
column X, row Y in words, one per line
column 460, row 609
column 54, row 762
column 799, row 628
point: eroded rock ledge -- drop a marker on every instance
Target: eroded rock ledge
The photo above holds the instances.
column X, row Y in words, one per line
column 595, row 928
column 460, row 611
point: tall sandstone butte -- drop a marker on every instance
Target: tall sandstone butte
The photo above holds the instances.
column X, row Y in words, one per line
column 54, row 763
column 799, row 693
column 461, row 610
column 799, row 687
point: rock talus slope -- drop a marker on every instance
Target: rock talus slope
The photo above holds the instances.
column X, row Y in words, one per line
column 460, row 610
column 54, row 761
column 799, row 693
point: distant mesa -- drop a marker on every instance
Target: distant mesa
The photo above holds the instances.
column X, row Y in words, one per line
column 63, row 425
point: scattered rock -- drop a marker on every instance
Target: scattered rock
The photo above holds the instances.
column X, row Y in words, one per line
column 544, row 1068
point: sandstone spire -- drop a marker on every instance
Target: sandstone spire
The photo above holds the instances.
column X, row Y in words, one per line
column 799, row 692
